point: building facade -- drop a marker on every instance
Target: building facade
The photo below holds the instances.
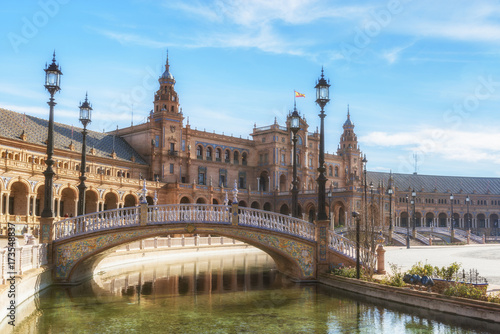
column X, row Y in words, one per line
column 185, row 165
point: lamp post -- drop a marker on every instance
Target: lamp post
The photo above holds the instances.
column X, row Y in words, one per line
column 364, row 161
column 322, row 98
column 371, row 206
column 52, row 84
column 355, row 215
column 294, row 126
column 390, row 192
column 329, row 194
column 85, row 118
column 413, row 217
column 407, row 224
column 452, row 227
column 467, row 200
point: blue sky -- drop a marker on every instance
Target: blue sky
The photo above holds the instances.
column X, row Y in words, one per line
column 421, row 77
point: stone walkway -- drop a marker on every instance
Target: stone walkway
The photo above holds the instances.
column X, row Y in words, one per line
column 484, row 258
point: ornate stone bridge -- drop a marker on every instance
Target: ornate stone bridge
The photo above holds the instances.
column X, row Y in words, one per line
column 300, row 249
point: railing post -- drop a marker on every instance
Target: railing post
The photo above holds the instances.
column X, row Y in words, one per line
column 143, row 215
column 322, row 246
column 234, row 216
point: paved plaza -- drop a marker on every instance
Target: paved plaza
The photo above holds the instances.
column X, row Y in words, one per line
column 484, row 258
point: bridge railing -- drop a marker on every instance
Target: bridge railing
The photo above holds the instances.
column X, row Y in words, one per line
column 276, row 222
column 97, row 221
column 463, row 234
column 347, row 247
column 418, row 236
column 190, row 213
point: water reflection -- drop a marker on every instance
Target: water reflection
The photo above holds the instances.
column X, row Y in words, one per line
column 235, row 293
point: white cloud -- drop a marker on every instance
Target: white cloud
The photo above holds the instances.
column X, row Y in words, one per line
column 476, row 145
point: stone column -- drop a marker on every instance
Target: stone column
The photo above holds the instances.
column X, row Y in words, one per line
column 380, row 259
column 322, row 246
column 45, row 235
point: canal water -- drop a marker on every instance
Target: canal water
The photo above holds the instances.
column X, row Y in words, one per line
column 232, row 293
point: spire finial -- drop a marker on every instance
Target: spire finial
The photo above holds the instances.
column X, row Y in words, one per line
column 167, row 65
column 322, row 72
column 54, row 56
column 348, row 115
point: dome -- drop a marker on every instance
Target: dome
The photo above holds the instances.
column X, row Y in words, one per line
column 167, row 75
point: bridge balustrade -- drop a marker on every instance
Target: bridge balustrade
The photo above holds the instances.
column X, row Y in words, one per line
column 276, row 222
column 97, row 221
column 347, row 247
column 191, row 213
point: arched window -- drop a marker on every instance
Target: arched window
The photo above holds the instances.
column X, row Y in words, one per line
column 209, row 153
column 330, row 171
column 336, row 171
column 199, row 152
column 218, row 154
column 244, row 159
column 236, row 156
column 227, row 156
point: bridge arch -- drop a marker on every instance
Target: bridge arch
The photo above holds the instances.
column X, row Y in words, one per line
column 84, row 240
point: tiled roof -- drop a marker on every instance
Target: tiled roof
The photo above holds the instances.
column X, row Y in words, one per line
column 12, row 125
column 438, row 184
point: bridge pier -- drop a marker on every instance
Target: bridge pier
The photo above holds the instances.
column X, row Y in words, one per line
column 46, row 235
column 322, row 261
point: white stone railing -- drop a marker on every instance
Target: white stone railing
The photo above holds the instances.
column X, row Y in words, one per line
column 182, row 213
column 464, row 234
column 347, row 247
column 276, row 222
column 25, row 258
column 192, row 213
column 98, row 221
column 399, row 238
column 418, row 236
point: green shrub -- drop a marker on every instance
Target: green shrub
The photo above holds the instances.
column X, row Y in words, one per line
column 447, row 273
column 465, row 291
column 422, row 269
column 345, row 271
column 396, row 279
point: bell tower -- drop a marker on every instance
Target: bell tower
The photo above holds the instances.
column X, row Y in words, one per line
column 349, row 151
column 166, row 123
column 166, row 99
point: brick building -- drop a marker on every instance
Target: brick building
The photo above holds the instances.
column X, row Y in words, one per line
column 185, row 165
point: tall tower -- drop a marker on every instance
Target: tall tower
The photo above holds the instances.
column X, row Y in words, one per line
column 349, row 151
column 166, row 123
column 166, row 99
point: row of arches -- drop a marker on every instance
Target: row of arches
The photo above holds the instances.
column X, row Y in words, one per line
column 469, row 220
column 20, row 201
column 202, row 200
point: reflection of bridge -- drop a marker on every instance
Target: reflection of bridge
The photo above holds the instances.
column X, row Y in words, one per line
column 299, row 248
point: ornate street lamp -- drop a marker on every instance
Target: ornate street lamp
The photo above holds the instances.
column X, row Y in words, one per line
column 371, row 206
column 364, row 161
column 413, row 217
column 390, row 192
column 329, row 194
column 451, row 201
column 355, row 215
column 322, row 98
column 407, row 224
column 467, row 200
column 85, row 118
column 52, row 84
column 295, row 127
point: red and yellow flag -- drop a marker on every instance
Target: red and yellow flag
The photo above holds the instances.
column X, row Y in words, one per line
column 297, row 94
